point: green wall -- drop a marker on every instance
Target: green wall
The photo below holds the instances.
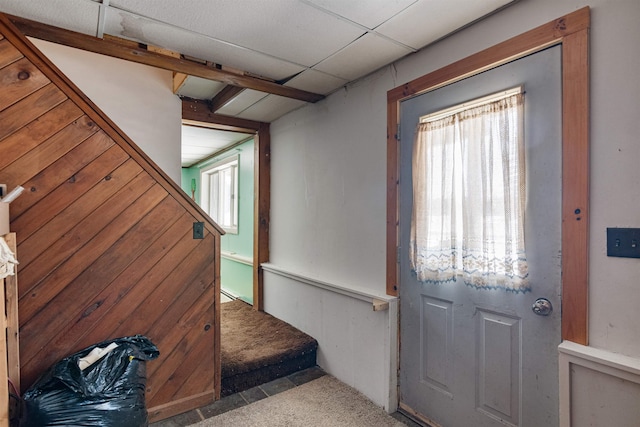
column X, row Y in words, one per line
column 237, row 277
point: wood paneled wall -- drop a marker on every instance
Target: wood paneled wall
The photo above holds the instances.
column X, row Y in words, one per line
column 105, row 238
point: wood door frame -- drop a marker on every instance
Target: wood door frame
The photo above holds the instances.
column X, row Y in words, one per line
column 572, row 33
column 197, row 112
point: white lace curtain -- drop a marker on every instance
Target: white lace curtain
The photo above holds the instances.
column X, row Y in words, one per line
column 469, row 198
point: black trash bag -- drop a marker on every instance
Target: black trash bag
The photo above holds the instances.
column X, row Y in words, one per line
column 108, row 393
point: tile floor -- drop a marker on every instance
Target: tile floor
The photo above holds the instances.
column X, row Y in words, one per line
column 253, row 395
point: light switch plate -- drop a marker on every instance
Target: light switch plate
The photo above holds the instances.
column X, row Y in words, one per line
column 198, row 230
column 623, row 242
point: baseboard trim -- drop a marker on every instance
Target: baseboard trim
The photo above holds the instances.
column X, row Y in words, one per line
column 176, row 407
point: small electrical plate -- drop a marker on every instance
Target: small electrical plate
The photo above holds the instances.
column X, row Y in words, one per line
column 3, row 190
column 198, row 230
column 623, row 242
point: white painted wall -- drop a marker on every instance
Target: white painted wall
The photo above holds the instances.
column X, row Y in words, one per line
column 328, row 185
column 138, row 98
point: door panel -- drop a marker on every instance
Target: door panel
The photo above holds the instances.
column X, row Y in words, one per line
column 474, row 357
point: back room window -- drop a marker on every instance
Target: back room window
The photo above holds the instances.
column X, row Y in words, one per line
column 220, row 193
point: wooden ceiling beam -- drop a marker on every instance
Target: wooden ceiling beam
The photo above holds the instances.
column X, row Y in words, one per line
column 178, row 81
column 144, row 56
column 224, row 96
column 197, row 111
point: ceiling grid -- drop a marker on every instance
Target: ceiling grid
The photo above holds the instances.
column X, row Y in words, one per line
column 316, row 46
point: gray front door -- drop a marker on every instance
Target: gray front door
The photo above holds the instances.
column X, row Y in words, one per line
column 475, row 358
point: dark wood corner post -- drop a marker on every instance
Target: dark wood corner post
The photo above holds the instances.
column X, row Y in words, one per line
column 262, row 208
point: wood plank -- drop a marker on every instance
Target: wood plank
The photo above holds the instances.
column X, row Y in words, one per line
column 393, row 148
column 575, row 187
column 170, row 377
column 42, row 128
column 63, row 174
column 144, row 56
column 29, row 165
column 116, row 321
column 72, row 241
column 189, row 302
column 262, row 208
column 217, row 354
column 171, row 389
column 150, row 307
column 11, row 307
column 184, row 275
column 66, row 170
column 35, row 318
column 160, row 412
column 201, row 378
column 8, row 53
column 179, row 339
column 80, row 291
column 194, row 378
column 77, row 203
column 196, row 111
column 98, row 309
column 24, row 112
column 19, row 80
column 178, row 81
column 224, row 96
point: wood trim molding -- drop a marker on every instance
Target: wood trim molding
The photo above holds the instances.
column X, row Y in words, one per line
column 572, row 32
column 262, row 208
column 197, row 112
column 110, row 47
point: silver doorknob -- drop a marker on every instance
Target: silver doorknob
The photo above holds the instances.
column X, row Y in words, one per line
column 542, row 307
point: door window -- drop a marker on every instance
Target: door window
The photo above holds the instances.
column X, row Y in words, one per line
column 469, row 195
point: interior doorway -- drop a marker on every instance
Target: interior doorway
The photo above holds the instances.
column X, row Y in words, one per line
column 247, row 156
column 218, row 174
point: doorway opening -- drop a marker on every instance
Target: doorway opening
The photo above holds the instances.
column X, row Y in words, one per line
column 251, row 142
column 218, row 174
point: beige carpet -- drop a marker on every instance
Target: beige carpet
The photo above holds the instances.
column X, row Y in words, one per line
column 322, row 402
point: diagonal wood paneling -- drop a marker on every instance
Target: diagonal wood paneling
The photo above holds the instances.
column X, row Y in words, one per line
column 104, row 237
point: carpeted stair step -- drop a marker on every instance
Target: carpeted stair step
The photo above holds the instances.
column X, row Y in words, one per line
column 257, row 348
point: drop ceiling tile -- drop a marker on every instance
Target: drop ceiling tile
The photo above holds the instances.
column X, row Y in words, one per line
column 195, row 87
column 199, row 143
column 357, row 60
column 77, row 15
column 133, row 27
column 241, row 102
column 270, row 108
column 213, row 138
column 369, row 13
column 286, row 29
column 427, row 20
column 316, row 81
